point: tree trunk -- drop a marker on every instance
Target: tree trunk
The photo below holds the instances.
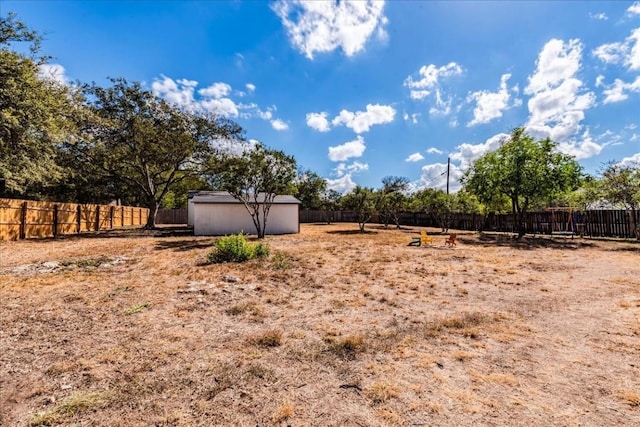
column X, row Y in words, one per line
column 153, row 211
column 521, row 217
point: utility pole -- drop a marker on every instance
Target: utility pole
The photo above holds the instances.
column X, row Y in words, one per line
column 448, row 169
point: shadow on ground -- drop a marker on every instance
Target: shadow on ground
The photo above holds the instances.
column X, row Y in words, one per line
column 351, row 232
column 126, row 233
column 526, row 242
column 184, row 245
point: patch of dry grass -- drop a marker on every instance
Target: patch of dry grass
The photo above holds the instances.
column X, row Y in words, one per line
column 632, row 398
column 71, row 407
column 380, row 392
column 334, row 328
column 270, row 338
column 346, row 347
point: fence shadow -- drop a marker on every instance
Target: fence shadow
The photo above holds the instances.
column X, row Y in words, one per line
column 352, row 232
column 526, row 243
column 184, row 245
column 126, row 233
column 629, row 247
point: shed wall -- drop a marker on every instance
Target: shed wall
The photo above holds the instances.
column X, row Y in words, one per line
column 226, row 218
column 190, row 205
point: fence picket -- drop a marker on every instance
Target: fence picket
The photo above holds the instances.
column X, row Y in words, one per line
column 595, row 223
column 23, row 219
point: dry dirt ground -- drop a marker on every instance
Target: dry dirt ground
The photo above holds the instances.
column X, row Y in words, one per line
column 334, row 328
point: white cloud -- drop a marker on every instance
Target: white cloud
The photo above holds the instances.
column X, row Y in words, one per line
column 490, row 105
column 557, row 62
column 431, row 74
column 318, row 121
column 599, row 16
column 344, row 173
column 213, row 99
column 619, row 91
column 434, row 150
column 323, row 26
column 233, row 147
column 419, row 94
column 634, row 9
column 415, row 157
column 626, row 53
column 435, row 176
column 178, row 92
column 250, row 87
column 347, row 150
column 631, row 161
column 584, row 148
column 611, row 53
column 466, row 153
column 361, row 121
column 355, row 167
column 216, row 90
column 557, row 102
column 279, row 125
column 264, row 115
column 413, row 118
column 342, row 185
column 633, row 60
column 442, row 107
column 53, row 72
column 428, row 84
column 599, row 80
column 223, row 106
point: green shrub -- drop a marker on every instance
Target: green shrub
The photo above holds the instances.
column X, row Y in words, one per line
column 235, row 248
column 261, row 250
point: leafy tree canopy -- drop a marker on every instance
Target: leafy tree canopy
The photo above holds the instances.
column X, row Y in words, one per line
column 524, row 170
column 35, row 116
column 255, row 178
column 362, row 201
column 143, row 142
column 309, row 189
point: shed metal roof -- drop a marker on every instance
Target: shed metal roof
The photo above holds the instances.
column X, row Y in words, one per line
column 213, row 197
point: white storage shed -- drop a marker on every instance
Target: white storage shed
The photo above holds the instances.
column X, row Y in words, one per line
column 218, row 213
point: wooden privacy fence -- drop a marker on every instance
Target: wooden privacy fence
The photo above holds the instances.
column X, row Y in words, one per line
column 595, row 223
column 171, row 216
column 24, row 219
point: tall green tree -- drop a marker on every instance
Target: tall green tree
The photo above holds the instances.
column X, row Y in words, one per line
column 143, row 142
column 35, row 114
column 330, row 202
column 436, row 203
column 309, row 189
column 621, row 184
column 524, row 170
column 362, row 201
column 255, row 178
column 392, row 199
column 177, row 196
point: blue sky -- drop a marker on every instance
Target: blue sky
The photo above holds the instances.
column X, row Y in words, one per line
column 360, row 90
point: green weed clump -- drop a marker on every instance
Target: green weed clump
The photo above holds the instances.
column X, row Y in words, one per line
column 235, row 248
